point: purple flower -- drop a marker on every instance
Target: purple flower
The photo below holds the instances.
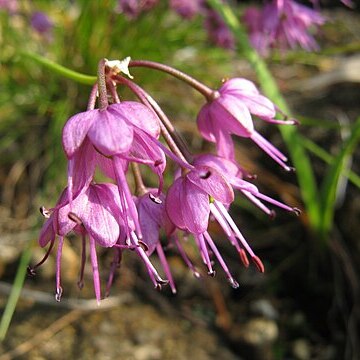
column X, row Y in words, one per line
column 153, row 218
column 284, row 23
column 253, row 19
column 187, row 8
column 123, row 130
column 133, row 8
column 230, row 113
column 233, row 174
column 96, row 214
column 190, row 201
column 217, row 30
column 41, row 22
column 187, row 202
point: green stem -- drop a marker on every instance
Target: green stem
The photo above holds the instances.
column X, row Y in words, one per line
column 61, row 70
column 290, row 135
column 15, row 293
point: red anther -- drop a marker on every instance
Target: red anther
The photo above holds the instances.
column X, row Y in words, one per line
column 272, row 214
column 244, row 258
column 258, row 263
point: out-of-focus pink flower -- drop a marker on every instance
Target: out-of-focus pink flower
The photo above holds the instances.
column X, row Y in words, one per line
column 283, row 24
column 230, row 113
column 11, row 6
column 133, row 8
column 218, row 31
column 41, row 22
column 187, row 8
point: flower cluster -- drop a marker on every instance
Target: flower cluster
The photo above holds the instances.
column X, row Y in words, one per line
column 277, row 24
column 119, row 137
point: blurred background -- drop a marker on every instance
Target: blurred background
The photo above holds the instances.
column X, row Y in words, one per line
column 305, row 306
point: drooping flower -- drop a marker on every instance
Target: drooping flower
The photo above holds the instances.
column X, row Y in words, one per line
column 233, row 174
column 230, row 113
column 153, row 218
column 121, row 130
column 96, row 214
column 190, row 201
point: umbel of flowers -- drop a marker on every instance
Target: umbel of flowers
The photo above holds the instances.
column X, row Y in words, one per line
column 119, row 137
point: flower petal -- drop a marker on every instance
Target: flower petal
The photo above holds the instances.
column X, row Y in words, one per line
column 208, row 180
column 195, row 208
column 76, row 129
column 138, row 115
column 174, row 201
column 47, row 232
column 110, row 134
column 64, row 224
column 99, row 217
column 205, row 123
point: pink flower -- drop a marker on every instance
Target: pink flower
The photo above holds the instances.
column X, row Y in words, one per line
column 230, row 113
column 133, row 8
column 153, row 218
column 187, row 8
column 233, row 174
column 123, row 130
column 187, row 201
column 96, row 214
column 283, row 23
column 190, row 201
column 217, row 30
column 12, row 6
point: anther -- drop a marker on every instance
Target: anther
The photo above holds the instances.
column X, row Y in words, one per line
column 45, row 212
column 212, row 273
column 58, row 294
column 162, row 282
column 244, row 258
column 296, row 211
column 80, row 284
column 30, row 271
column 272, row 214
column 143, row 245
column 258, row 263
column 158, row 162
column 205, row 175
column 155, row 199
column 73, row 217
column 234, row 284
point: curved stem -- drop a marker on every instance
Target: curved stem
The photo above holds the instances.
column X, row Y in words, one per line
column 197, row 85
column 61, row 70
